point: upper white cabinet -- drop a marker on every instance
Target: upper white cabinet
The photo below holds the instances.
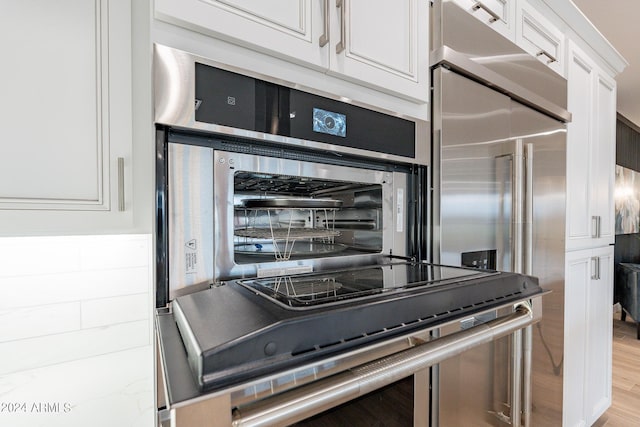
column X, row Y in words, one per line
column 66, row 109
column 498, row 14
column 380, row 44
column 588, row 337
column 292, row 28
column 536, row 35
column 590, row 153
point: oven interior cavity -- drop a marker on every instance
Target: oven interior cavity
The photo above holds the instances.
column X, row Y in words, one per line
column 287, row 217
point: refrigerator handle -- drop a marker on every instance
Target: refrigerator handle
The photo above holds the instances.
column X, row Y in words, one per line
column 518, row 207
column 528, row 220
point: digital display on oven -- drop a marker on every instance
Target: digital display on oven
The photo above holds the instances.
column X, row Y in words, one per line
column 329, row 122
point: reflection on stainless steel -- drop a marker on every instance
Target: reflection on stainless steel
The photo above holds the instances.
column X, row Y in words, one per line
column 490, row 58
column 306, row 401
column 185, row 401
column 500, row 186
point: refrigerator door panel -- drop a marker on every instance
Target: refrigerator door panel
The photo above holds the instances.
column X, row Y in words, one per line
column 501, row 187
column 475, row 216
column 475, row 171
column 544, row 140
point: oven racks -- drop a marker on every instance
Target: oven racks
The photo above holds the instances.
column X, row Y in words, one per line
column 289, row 225
column 283, row 233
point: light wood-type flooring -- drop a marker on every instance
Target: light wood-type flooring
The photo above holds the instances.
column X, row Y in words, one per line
column 625, row 409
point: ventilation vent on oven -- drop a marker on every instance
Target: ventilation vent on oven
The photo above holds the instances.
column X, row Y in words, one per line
column 246, row 146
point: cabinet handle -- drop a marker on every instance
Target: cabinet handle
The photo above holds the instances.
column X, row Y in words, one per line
column 324, row 38
column 595, row 268
column 480, row 5
column 121, row 184
column 595, row 226
column 550, row 58
column 599, row 226
column 341, row 44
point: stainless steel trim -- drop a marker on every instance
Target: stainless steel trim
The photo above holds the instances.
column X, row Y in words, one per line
column 174, row 94
column 528, row 219
column 516, row 377
column 527, row 338
column 518, row 207
column 480, row 5
column 551, row 58
column 121, row 205
column 324, row 37
column 309, row 400
column 342, row 43
column 465, row 66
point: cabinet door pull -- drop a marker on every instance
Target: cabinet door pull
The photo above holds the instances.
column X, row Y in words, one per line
column 341, row 44
column 595, row 226
column 599, row 226
column 550, row 58
column 595, row 268
column 480, row 5
column 324, row 38
column 121, row 184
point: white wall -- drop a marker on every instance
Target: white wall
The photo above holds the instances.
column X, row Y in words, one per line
column 76, row 336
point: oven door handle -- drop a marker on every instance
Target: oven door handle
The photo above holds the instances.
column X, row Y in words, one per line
column 308, row 400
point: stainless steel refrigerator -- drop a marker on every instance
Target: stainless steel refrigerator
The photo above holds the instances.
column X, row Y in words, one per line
column 499, row 132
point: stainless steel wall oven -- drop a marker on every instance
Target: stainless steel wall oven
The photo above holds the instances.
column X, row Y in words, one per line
column 293, row 244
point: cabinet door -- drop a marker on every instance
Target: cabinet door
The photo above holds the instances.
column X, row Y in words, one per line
column 604, row 159
column 536, row 35
column 382, row 44
column 577, row 278
column 498, row 14
column 590, row 154
column 588, row 335
column 599, row 327
column 66, row 109
column 286, row 28
column 580, row 77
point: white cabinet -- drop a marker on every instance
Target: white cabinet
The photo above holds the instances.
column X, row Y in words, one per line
column 66, row 110
column 588, row 335
column 590, row 153
column 536, row 35
column 376, row 43
column 498, row 14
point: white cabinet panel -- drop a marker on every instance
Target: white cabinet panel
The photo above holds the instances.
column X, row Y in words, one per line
column 579, row 149
column 284, row 28
column 588, row 335
column 604, row 157
column 590, row 154
column 577, row 273
column 51, row 103
column 67, row 113
column 384, row 45
column 536, row 35
column 375, row 43
column 599, row 328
